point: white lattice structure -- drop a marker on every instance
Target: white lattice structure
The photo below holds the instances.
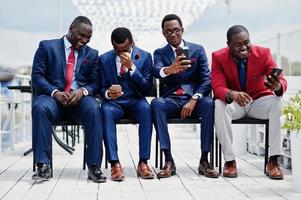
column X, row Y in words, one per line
column 142, row 17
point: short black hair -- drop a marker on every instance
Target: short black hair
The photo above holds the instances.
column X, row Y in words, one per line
column 120, row 34
column 170, row 17
column 80, row 19
column 234, row 30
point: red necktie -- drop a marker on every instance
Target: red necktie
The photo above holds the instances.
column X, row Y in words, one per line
column 70, row 70
column 122, row 70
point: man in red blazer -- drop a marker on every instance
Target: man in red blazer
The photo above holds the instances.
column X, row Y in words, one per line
column 244, row 85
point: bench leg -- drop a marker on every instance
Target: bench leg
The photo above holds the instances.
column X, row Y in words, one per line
column 266, row 148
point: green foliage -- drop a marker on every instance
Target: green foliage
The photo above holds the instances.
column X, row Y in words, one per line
column 292, row 113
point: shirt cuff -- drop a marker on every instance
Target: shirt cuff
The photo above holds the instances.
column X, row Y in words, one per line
column 162, row 74
column 133, row 68
column 106, row 95
column 85, row 90
column 199, row 94
column 54, row 91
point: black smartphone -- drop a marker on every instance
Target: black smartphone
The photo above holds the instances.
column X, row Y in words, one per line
column 183, row 51
column 276, row 72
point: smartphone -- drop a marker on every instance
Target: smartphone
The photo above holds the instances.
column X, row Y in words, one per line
column 183, row 50
column 276, row 71
column 115, row 87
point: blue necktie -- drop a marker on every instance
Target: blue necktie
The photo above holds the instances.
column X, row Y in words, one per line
column 241, row 64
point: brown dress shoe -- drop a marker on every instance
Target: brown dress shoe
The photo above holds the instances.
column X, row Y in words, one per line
column 117, row 173
column 206, row 170
column 168, row 170
column 273, row 170
column 230, row 170
column 144, row 171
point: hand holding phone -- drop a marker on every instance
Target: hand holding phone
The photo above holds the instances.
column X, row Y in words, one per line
column 183, row 51
column 115, row 88
column 276, row 72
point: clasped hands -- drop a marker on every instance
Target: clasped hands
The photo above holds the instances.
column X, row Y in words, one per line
column 69, row 98
column 179, row 65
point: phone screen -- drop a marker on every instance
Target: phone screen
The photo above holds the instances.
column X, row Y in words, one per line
column 276, row 71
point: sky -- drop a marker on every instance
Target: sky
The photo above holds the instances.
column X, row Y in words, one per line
column 24, row 23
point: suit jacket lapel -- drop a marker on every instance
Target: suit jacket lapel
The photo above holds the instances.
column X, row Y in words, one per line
column 62, row 56
column 113, row 68
column 79, row 60
column 169, row 53
column 135, row 57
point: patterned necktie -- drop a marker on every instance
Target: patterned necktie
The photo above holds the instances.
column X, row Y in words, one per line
column 241, row 64
column 122, row 70
column 70, row 70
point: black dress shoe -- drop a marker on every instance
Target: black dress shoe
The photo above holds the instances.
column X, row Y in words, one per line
column 206, row 170
column 168, row 170
column 43, row 173
column 95, row 175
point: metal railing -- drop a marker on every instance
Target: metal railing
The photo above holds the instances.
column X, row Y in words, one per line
column 15, row 115
column 286, row 50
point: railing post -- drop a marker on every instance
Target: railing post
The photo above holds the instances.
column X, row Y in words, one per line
column 0, row 118
column 13, row 122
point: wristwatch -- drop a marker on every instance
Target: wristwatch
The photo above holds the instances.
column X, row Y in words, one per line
column 85, row 91
column 195, row 97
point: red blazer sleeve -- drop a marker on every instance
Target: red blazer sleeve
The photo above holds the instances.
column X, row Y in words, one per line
column 219, row 84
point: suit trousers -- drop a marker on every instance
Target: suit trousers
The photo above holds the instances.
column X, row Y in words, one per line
column 138, row 109
column 267, row 107
column 171, row 106
column 46, row 111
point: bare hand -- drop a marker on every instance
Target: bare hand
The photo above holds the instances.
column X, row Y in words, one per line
column 188, row 108
column 179, row 65
column 125, row 59
column 75, row 97
column 242, row 98
column 272, row 82
column 61, row 97
column 115, row 92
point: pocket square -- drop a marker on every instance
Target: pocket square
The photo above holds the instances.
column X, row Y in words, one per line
column 192, row 60
column 86, row 61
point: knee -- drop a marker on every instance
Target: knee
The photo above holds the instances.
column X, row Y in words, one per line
column 40, row 109
column 206, row 103
column 157, row 104
column 219, row 105
column 106, row 109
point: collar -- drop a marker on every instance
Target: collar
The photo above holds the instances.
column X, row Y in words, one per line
column 181, row 45
column 67, row 44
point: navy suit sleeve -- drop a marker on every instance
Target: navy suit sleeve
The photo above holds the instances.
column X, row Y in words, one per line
column 204, row 74
column 142, row 77
column 158, row 63
column 104, row 84
column 92, row 84
column 40, row 83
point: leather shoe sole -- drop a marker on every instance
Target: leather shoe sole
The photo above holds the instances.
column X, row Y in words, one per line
column 97, row 180
column 163, row 174
column 280, row 177
column 214, row 175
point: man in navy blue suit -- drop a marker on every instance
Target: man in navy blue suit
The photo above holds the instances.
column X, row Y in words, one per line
column 126, row 71
column 185, row 88
column 64, row 80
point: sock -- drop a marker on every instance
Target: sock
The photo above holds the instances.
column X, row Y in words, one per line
column 274, row 158
column 113, row 162
column 142, row 160
column 167, row 155
column 204, row 157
